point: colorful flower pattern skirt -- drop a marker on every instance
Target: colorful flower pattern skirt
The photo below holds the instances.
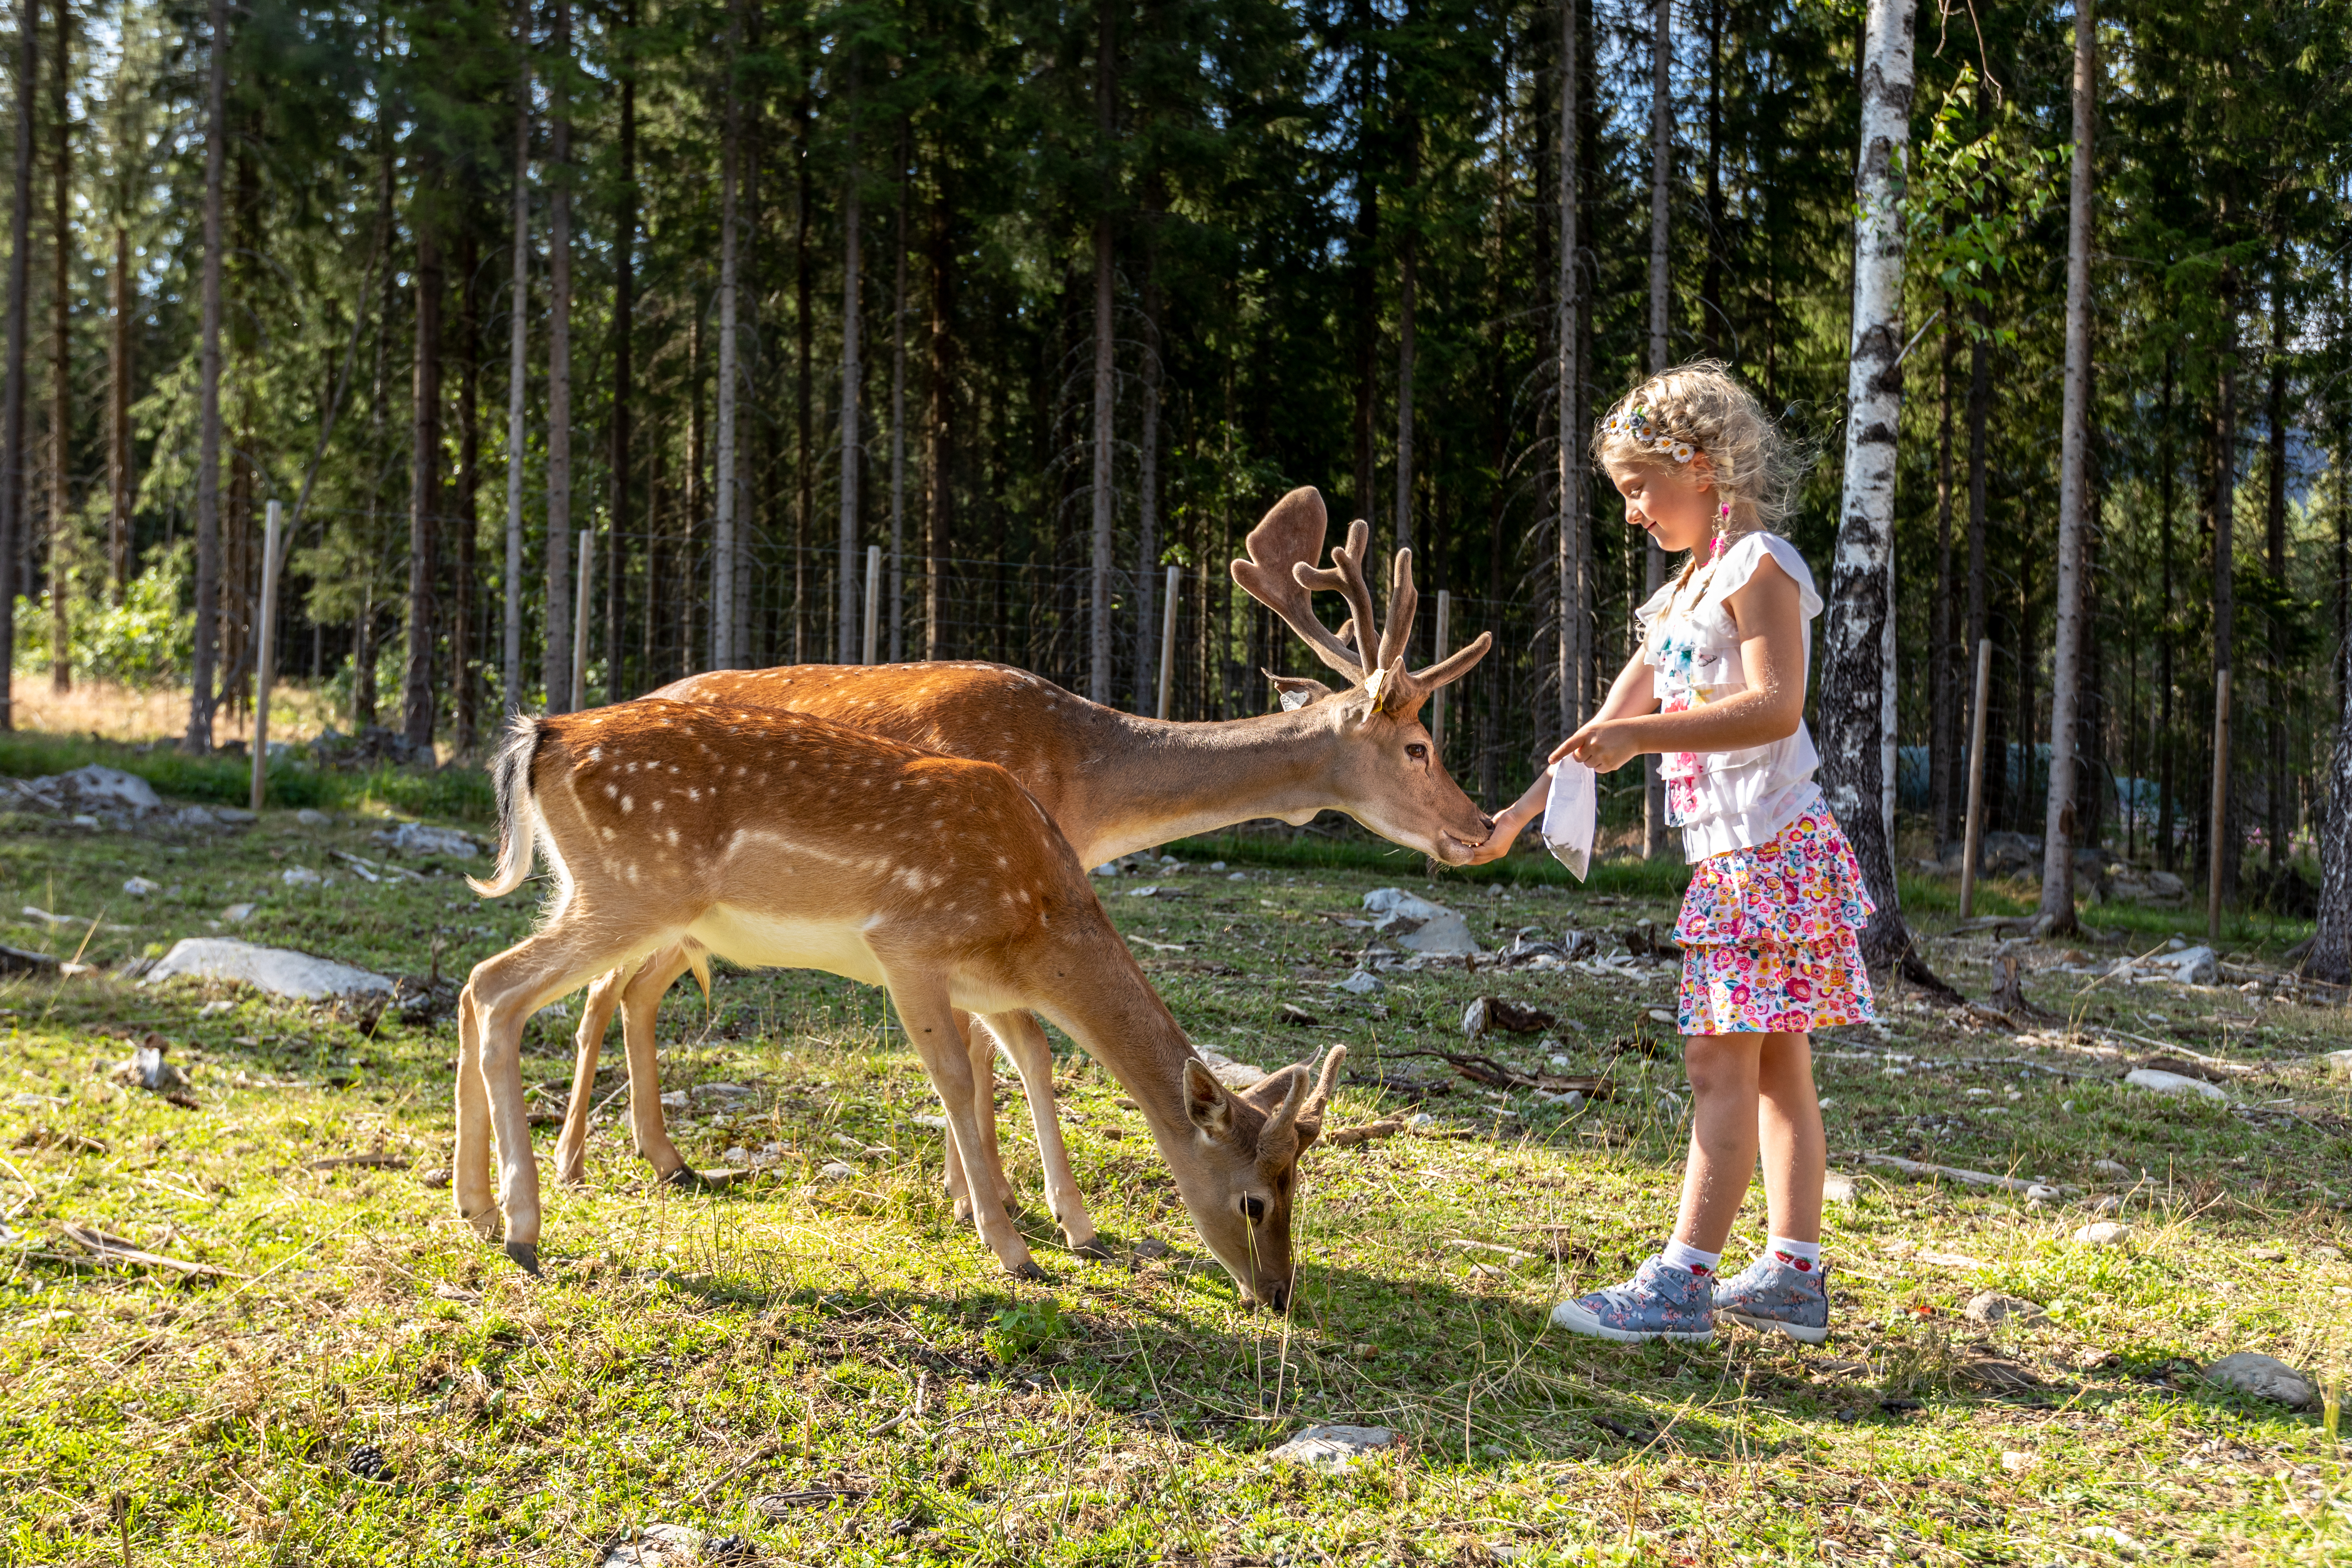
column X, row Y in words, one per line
column 1771, row 935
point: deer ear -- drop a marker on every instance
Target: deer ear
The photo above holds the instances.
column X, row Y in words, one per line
column 1206, row 1101
column 1296, row 690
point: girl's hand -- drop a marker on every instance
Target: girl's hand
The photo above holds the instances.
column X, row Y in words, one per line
column 1513, row 819
column 1604, row 745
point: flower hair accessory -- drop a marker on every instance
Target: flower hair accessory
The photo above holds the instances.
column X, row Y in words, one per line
column 1635, row 426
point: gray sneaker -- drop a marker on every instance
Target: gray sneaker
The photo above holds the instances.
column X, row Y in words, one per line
column 1780, row 1295
column 1659, row 1302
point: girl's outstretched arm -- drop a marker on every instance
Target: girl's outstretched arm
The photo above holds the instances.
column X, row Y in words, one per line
column 1769, row 613
column 1632, row 693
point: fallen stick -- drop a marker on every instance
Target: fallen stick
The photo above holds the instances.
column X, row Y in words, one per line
column 1387, row 1127
column 108, row 1249
column 1955, row 1173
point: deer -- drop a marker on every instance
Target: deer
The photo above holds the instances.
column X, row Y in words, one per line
column 1113, row 783
column 779, row 839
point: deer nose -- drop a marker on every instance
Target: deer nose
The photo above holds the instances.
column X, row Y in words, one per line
column 1277, row 1296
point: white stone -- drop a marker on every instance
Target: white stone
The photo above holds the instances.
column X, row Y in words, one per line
column 2191, row 966
column 417, row 839
column 1837, row 1189
column 140, row 887
column 1364, row 983
column 1238, row 876
column 310, row 817
column 1332, row 1447
column 1995, row 1307
column 1419, row 926
column 1235, row 1075
column 836, row 1171
column 738, row 1155
column 2104, row 1233
column 2157, row 1082
column 278, row 971
column 2338, row 1063
column 2264, row 1377
column 107, row 789
column 2114, row 1168
column 935, row 1122
column 237, row 915
column 1216, row 865
column 299, row 877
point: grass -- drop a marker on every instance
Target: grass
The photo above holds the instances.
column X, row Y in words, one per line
column 450, row 792
column 368, row 1383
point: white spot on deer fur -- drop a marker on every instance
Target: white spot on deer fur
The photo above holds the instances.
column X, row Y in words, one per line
column 673, row 838
column 627, row 805
column 611, row 791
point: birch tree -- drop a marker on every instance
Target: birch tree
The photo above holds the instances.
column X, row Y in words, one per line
column 1850, row 706
column 423, row 481
column 2057, row 911
column 1662, row 170
column 1573, row 552
column 846, row 650
column 1098, row 664
column 12, row 399
column 61, row 525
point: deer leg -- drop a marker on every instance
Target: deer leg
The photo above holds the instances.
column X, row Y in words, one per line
column 930, row 1024
column 640, row 1006
column 469, row 1163
column 595, row 1016
column 1033, row 1057
column 987, row 1172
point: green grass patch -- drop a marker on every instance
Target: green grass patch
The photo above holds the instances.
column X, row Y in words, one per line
column 450, row 792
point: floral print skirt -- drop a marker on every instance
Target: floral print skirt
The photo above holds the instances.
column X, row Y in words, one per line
column 1771, row 935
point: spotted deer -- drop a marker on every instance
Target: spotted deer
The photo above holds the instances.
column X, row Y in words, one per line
column 1113, row 783
column 781, row 840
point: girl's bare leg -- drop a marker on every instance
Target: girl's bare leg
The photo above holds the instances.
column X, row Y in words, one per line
column 1788, row 1129
column 1724, row 1117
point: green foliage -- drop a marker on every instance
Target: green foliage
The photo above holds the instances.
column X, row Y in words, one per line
column 1970, row 200
column 1018, row 1332
column 449, row 792
column 143, row 642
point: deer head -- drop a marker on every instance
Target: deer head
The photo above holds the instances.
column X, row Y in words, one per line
column 1390, row 777
column 1239, row 1176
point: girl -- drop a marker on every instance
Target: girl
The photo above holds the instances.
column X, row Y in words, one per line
column 1770, row 925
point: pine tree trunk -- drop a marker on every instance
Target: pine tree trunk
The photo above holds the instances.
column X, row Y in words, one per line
column 1105, row 496
column 804, row 296
column 625, row 300
column 846, row 640
column 1662, row 164
column 1572, row 552
column 2221, row 870
column 1147, row 476
column 517, row 383
column 423, row 484
column 199, row 739
column 555, row 644
column 2164, row 753
column 722, row 541
column 898, row 589
column 697, row 501
column 2331, row 945
column 1363, row 255
column 1711, row 292
column 2058, row 826
column 466, row 728
column 1947, row 660
column 12, row 396
column 938, row 496
column 118, row 423
column 2282, row 820
column 1851, row 701
column 61, row 530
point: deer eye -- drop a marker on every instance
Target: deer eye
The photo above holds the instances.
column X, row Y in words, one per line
column 1416, row 751
column 1253, row 1209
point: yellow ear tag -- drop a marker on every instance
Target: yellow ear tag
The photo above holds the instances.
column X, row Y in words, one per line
column 1373, row 683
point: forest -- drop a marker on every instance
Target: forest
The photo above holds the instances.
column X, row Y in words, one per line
column 582, row 346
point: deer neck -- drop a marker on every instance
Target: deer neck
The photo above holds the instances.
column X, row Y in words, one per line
column 1142, row 782
column 1121, row 1022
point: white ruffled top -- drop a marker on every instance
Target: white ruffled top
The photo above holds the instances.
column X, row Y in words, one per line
column 1734, row 799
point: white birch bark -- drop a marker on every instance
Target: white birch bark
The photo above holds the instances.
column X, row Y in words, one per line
column 2073, row 438
column 1852, row 703
column 1662, row 162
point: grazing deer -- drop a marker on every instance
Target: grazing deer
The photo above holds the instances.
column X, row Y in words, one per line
column 779, row 839
column 1113, row 783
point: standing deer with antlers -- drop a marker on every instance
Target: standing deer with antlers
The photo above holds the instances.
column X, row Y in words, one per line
column 1113, row 783
column 782, row 840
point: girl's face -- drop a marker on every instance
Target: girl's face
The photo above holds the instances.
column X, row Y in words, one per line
column 1674, row 504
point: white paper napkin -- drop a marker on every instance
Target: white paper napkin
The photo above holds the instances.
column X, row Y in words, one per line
column 1569, row 816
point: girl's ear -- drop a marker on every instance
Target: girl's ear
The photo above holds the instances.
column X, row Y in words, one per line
column 1702, row 472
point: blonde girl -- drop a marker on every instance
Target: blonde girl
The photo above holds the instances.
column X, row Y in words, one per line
column 1771, row 925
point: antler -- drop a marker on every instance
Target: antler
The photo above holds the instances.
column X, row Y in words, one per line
column 1280, row 574
column 1291, row 535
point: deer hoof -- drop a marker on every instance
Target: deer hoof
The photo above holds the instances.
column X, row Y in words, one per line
column 684, row 1176
column 1092, row 1247
column 525, row 1254
column 1028, row 1269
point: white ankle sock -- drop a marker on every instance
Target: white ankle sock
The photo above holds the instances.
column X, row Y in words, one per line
column 1805, row 1257
column 1684, row 1256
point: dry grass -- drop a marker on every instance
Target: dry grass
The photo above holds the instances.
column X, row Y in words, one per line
column 108, row 711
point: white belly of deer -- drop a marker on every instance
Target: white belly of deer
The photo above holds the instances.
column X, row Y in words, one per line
column 757, row 941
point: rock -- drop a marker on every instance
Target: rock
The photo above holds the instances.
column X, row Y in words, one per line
column 2165, row 884
column 1416, row 925
column 145, row 1067
column 1332, row 1447
column 1292, row 1013
column 1229, row 1072
column 237, row 915
column 2114, row 1168
column 2189, row 965
column 278, row 971
column 195, row 816
column 93, row 789
column 1473, row 1018
column 1152, row 1246
column 140, row 887
column 301, row 877
column 233, row 815
column 1238, row 876
column 738, row 1155
column 310, row 817
column 2157, row 1082
column 2264, row 1377
column 1837, row 1189
column 2338, row 1064
column 1993, row 1307
column 2119, row 1541
column 660, row 1546
column 415, row 838
column 1108, row 869
column 836, row 1171
column 1364, row 983
column 1660, row 1016
column 2104, row 1233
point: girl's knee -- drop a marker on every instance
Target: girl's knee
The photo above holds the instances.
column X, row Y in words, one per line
column 1715, row 1063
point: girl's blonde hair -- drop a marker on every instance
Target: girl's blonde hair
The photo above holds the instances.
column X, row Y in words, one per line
column 1701, row 407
